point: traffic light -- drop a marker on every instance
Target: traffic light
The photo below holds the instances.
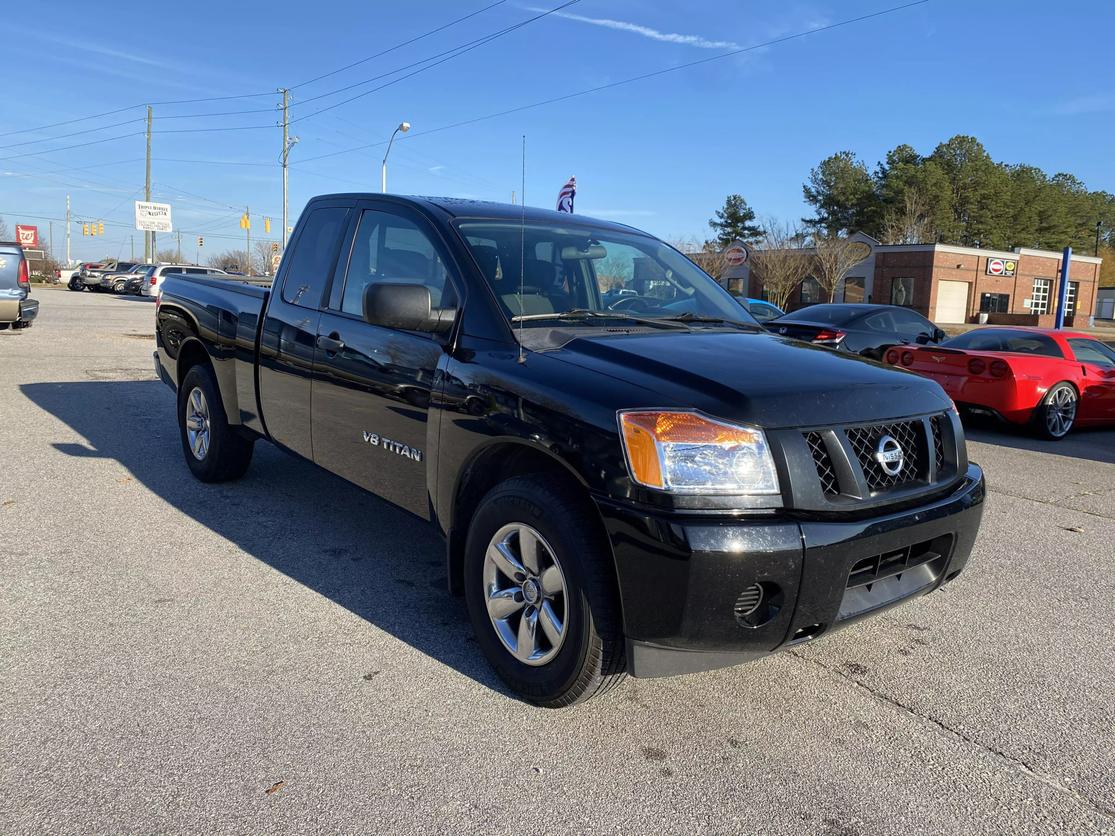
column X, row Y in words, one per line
column 200, row 241
column 101, row 228
column 85, row 229
column 245, row 221
column 266, row 224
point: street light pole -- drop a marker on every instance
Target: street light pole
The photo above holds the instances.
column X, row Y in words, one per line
column 404, row 127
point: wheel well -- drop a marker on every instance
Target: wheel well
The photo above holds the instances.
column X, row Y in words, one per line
column 494, row 465
column 192, row 354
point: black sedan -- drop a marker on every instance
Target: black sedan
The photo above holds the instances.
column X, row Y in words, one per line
column 868, row 330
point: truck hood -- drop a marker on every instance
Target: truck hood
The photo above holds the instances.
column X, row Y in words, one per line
column 759, row 379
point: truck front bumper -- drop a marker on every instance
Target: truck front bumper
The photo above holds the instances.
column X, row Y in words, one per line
column 706, row 592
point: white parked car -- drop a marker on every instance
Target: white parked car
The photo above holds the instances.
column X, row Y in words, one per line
column 155, row 275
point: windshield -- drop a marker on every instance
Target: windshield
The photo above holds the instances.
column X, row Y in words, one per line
column 591, row 273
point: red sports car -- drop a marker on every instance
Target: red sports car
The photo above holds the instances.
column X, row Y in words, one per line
column 1051, row 380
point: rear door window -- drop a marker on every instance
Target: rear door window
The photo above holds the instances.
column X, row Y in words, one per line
column 390, row 248
column 314, row 256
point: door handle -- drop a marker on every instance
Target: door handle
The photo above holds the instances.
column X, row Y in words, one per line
column 331, row 344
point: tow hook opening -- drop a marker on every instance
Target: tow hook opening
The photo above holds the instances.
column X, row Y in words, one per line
column 807, row 633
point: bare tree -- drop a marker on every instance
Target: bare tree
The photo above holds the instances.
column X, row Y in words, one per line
column 261, row 257
column 167, row 256
column 780, row 263
column 705, row 254
column 911, row 223
column 231, row 260
column 4, row 233
column 833, row 256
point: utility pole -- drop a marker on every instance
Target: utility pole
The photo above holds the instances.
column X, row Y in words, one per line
column 51, row 242
column 285, row 154
column 179, row 246
column 133, row 240
column 248, row 238
column 67, row 231
column 148, row 237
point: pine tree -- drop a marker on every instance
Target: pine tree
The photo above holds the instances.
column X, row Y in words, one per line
column 735, row 221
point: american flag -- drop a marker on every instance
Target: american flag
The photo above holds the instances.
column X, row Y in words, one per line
column 566, row 195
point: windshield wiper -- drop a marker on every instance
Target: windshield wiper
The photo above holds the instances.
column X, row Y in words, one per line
column 584, row 313
column 716, row 320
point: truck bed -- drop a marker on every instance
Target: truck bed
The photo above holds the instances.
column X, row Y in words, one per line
column 226, row 314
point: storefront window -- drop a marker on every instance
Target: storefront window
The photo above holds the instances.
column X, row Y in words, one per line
column 994, row 303
column 1039, row 298
column 902, row 291
column 854, row 289
column 811, row 292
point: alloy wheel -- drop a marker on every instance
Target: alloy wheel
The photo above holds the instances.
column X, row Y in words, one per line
column 197, row 423
column 525, row 594
column 1060, row 412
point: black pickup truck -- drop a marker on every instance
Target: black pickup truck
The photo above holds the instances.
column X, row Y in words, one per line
column 655, row 485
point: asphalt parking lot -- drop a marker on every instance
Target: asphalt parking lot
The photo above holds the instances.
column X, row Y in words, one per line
column 178, row 657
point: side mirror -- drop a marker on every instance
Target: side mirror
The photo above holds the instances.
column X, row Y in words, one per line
column 405, row 307
column 925, row 339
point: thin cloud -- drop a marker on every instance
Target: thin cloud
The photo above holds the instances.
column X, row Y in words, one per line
column 1082, row 105
column 648, row 32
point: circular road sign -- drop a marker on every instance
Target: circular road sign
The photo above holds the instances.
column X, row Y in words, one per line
column 995, row 267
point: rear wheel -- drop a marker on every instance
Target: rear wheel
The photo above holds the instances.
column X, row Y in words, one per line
column 1055, row 415
column 214, row 451
column 540, row 593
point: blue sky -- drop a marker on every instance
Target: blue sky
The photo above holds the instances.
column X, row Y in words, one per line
column 659, row 154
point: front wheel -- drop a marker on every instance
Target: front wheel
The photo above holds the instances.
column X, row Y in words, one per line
column 541, row 594
column 214, row 451
column 76, row 284
column 1055, row 415
column 118, row 287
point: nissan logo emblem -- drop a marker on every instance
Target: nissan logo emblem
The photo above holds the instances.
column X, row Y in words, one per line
column 888, row 453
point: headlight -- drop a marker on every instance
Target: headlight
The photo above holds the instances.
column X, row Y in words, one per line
column 684, row 452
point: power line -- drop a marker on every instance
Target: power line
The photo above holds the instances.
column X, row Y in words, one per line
column 75, row 133
column 69, row 147
column 252, row 95
column 631, row 80
column 133, row 107
column 442, row 57
column 399, row 45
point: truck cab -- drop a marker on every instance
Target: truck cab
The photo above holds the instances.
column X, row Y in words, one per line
column 642, row 482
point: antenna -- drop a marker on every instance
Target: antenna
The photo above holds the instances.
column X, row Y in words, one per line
column 523, row 251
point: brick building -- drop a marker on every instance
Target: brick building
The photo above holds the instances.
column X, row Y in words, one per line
column 951, row 284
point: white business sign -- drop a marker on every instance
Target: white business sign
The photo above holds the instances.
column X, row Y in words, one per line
column 153, row 217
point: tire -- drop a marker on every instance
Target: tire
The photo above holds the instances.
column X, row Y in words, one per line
column 76, row 284
column 1055, row 416
column 589, row 656
column 222, row 453
column 119, row 287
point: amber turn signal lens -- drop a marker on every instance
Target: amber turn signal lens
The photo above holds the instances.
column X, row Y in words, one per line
column 642, row 452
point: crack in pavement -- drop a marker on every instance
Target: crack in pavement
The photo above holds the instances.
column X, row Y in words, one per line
column 1055, row 504
column 1010, row 761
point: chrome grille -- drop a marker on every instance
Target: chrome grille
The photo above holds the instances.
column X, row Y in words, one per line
column 910, row 437
column 821, row 460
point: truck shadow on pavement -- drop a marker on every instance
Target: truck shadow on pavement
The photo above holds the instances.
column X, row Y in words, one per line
column 377, row 561
column 1096, row 445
